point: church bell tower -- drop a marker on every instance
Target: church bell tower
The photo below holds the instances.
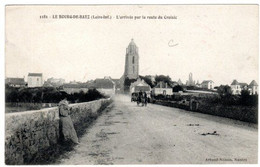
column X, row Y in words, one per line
column 131, row 61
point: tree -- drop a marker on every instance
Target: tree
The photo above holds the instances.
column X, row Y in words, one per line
column 163, row 78
column 148, row 80
column 127, row 83
column 177, row 88
column 224, row 91
column 247, row 99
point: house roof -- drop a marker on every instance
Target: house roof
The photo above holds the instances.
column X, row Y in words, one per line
column 253, row 83
column 15, row 81
column 75, row 85
column 47, row 84
column 243, row 84
column 162, row 85
column 138, row 82
column 235, row 82
column 206, row 81
column 142, row 88
column 35, row 74
column 104, row 83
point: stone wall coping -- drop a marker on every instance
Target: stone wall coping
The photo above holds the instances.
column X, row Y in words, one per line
column 48, row 109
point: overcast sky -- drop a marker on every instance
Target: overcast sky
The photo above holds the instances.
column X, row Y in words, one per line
column 218, row 43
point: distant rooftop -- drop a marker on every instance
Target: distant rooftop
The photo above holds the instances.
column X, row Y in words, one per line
column 206, row 81
column 35, row 74
column 15, row 81
column 162, row 84
column 253, row 83
column 235, row 82
column 103, row 83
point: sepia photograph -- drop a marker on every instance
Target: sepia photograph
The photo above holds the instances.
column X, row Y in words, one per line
column 131, row 84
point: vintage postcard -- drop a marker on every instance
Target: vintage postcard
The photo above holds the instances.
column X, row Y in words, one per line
column 131, row 84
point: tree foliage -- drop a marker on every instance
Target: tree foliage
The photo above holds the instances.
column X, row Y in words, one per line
column 48, row 95
column 163, row 78
column 177, row 88
column 148, row 80
column 127, row 83
column 224, row 91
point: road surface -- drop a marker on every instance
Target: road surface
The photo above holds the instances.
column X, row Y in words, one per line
column 155, row 134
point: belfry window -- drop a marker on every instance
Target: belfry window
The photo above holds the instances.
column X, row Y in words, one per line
column 133, row 60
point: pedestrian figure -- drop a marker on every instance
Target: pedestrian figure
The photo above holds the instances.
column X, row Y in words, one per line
column 139, row 97
column 67, row 127
column 145, row 99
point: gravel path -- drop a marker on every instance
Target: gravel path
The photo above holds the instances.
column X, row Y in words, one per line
column 155, row 134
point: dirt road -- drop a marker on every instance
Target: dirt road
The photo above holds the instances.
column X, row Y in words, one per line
column 155, row 134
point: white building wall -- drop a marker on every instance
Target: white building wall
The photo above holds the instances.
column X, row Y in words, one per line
column 35, row 81
column 158, row 91
column 236, row 89
column 209, row 85
column 254, row 90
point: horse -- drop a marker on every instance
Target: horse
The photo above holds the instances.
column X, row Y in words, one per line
column 142, row 98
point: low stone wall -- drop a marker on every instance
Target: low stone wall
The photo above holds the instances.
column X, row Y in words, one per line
column 241, row 113
column 30, row 133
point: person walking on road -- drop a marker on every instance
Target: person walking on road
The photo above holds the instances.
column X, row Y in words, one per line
column 139, row 97
column 145, row 99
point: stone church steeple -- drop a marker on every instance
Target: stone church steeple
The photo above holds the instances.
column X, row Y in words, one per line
column 131, row 61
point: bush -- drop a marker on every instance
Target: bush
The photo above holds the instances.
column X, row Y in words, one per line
column 177, row 88
column 247, row 99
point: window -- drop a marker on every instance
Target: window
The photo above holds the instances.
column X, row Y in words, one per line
column 133, row 60
column 37, row 79
column 164, row 92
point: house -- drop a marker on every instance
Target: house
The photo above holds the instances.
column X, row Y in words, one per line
column 71, row 88
column 198, row 85
column 207, row 84
column 105, row 85
column 117, row 84
column 35, row 80
column 54, row 82
column 140, row 85
column 237, row 87
column 162, row 88
column 15, row 82
column 253, row 88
